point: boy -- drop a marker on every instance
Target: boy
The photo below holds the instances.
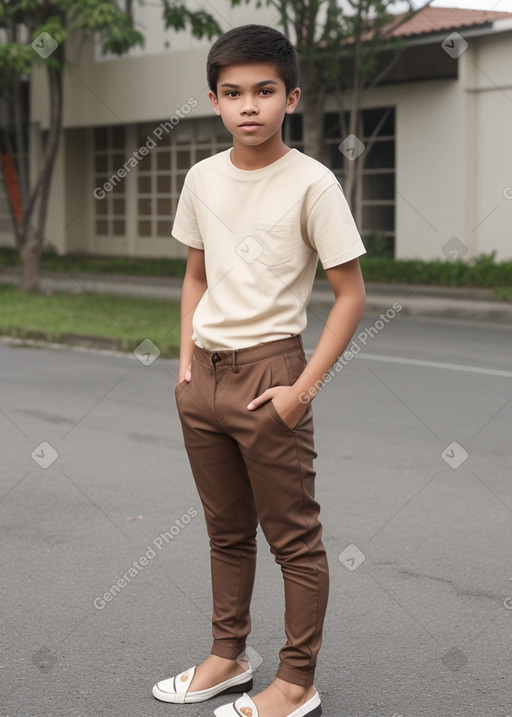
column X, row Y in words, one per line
column 256, row 218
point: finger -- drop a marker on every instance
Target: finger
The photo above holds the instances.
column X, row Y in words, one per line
column 259, row 400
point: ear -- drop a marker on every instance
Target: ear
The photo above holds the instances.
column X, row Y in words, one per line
column 215, row 103
column 292, row 100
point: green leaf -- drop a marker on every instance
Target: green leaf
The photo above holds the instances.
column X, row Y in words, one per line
column 201, row 23
column 16, row 60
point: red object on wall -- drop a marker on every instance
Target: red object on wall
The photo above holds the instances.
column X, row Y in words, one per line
column 12, row 186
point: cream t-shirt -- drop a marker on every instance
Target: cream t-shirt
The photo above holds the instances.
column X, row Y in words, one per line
column 262, row 232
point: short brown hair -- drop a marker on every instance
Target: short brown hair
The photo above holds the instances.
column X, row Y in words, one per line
column 253, row 43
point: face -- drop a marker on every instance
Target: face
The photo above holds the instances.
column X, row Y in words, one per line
column 252, row 101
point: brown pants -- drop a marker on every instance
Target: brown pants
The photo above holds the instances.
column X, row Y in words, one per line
column 249, row 466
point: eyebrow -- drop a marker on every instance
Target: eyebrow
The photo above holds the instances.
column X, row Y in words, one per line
column 258, row 84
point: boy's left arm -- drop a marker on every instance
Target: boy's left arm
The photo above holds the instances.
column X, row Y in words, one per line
column 291, row 401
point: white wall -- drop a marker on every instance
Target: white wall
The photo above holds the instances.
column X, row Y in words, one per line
column 454, row 158
column 493, row 98
column 147, row 84
column 148, row 20
column 429, row 169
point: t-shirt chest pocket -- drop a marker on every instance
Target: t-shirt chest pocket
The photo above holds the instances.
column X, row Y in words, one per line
column 275, row 243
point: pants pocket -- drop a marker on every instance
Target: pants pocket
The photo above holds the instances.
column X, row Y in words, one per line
column 277, row 418
column 179, row 388
column 279, row 421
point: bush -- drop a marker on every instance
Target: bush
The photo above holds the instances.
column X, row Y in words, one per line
column 9, row 257
column 378, row 244
column 481, row 271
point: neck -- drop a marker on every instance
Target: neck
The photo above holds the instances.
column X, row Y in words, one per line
column 257, row 157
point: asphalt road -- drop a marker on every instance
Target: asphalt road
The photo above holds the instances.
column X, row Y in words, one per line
column 413, row 476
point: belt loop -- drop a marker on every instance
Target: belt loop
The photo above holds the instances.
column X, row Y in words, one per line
column 234, row 364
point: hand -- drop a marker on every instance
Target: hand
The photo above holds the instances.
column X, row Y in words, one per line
column 285, row 401
column 185, row 375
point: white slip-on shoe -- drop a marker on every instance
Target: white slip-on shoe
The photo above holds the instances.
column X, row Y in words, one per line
column 245, row 707
column 175, row 689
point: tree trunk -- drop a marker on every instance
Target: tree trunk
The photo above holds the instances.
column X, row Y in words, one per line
column 350, row 163
column 313, row 126
column 30, row 254
column 31, row 234
column 313, row 115
column 19, row 128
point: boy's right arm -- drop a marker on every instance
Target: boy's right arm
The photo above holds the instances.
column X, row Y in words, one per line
column 194, row 286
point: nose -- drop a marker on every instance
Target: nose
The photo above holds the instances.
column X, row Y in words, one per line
column 248, row 106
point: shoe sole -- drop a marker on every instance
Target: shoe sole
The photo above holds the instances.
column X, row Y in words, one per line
column 244, row 687
column 315, row 712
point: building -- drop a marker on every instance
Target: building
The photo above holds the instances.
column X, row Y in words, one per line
column 438, row 178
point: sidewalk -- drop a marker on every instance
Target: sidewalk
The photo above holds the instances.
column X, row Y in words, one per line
column 428, row 301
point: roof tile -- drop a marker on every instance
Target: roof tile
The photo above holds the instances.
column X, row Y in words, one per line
column 437, row 19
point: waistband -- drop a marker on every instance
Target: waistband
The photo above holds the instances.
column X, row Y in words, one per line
column 249, row 354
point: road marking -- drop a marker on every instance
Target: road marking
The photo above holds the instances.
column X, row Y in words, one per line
column 438, row 364
column 432, row 364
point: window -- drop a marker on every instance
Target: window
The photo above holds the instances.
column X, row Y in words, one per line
column 139, row 172
column 377, row 195
column 292, row 131
column 378, row 183
column 161, row 174
column 109, row 157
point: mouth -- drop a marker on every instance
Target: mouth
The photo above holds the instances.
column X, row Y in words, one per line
column 250, row 127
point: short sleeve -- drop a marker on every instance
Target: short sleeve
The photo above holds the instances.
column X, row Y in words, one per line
column 186, row 228
column 331, row 228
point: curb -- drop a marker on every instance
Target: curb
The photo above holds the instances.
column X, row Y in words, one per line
column 428, row 301
column 31, row 337
column 483, row 314
column 69, row 339
column 492, row 312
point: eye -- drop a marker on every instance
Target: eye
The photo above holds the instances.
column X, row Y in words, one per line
column 267, row 92
column 231, row 93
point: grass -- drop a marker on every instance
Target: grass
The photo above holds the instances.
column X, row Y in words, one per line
column 61, row 317
column 123, row 322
